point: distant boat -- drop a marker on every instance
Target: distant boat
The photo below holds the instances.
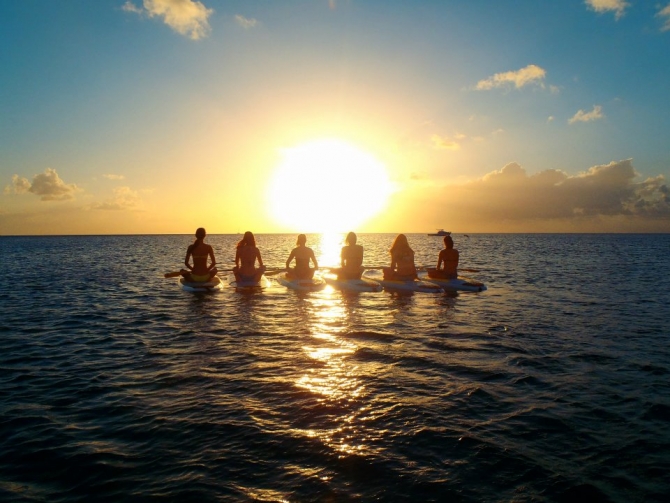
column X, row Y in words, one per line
column 440, row 232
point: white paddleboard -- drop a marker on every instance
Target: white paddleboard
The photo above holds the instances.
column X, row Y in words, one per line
column 415, row 285
column 303, row 285
column 460, row 284
column 201, row 286
column 251, row 285
column 353, row 285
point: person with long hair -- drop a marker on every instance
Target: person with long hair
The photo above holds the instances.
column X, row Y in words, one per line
column 246, row 255
column 351, row 259
column 302, row 255
column 402, row 261
column 200, row 252
column 447, row 262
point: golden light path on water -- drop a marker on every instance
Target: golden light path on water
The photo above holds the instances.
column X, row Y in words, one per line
column 330, row 373
column 330, row 244
column 335, row 376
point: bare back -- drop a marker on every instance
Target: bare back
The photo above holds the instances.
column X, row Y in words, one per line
column 200, row 254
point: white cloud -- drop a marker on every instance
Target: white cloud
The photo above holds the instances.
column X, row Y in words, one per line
column 600, row 6
column 131, row 7
column 665, row 15
column 582, row 116
column 245, row 22
column 531, row 74
column 48, row 185
column 124, row 199
column 187, row 17
column 110, row 176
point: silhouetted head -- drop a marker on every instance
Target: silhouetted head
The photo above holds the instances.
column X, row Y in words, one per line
column 247, row 240
column 302, row 240
column 200, row 233
column 399, row 243
column 448, row 242
column 351, row 238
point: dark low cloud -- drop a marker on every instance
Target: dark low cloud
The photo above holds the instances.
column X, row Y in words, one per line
column 48, row 186
column 609, row 190
column 611, row 197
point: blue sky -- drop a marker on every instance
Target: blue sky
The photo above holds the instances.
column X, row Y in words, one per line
column 137, row 116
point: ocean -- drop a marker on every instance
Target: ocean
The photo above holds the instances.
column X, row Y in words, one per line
column 552, row 385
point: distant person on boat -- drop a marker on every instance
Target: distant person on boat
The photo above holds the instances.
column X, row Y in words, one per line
column 351, row 259
column 302, row 255
column 199, row 272
column 402, row 261
column 246, row 255
column 447, row 262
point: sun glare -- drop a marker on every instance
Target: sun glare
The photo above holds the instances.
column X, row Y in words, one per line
column 327, row 186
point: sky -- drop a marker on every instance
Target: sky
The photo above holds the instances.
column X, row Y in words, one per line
column 161, row 116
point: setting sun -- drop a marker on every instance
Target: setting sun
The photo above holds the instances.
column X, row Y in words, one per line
column 327, row 185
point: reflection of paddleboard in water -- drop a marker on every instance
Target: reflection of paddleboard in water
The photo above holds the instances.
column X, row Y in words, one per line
column 201, row 286
column 412, row 285
column 460, row 284
column 303, row 285
column 353, row 285
column 251, row 285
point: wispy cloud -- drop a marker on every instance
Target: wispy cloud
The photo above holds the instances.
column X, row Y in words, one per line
column 444, row 142
column 48, row 186
column 124, row 198
column 187, row 17
column 601, row 6
column 110, row 176
column 582, row 116
column 664, row 14
column 531, row 74
column 245, row 22
column 131, row 7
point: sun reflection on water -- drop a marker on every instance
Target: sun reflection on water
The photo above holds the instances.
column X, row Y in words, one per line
column 334, row 379
column 330, row 244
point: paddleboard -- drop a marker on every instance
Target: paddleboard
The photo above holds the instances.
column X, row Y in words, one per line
column 411, row 286
column 303, row 285
column 460, row 284
column 353, row 285
column 251, row 285
column 201, row 286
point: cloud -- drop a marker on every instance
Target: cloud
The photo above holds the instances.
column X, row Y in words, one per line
column 665, row 15
column 582, row 116
column 444, row 143
column 605, row 190
column 131, row 7
column 187, row 17
column 531, row 74
column 601, row 6
column 124, row 199
column 244, row 22
column 47, row 185
column 110, row 176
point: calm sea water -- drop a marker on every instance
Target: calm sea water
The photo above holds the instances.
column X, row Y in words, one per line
column 553, row 385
